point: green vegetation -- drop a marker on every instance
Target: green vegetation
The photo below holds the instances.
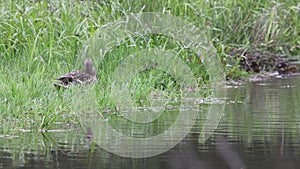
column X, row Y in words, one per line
column 40, row 40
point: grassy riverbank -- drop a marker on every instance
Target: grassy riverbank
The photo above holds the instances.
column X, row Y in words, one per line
column 41, row 40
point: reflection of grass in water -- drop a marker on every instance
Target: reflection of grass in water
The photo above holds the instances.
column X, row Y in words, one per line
column 41, row 40
column 43, row 146
column 129, row 128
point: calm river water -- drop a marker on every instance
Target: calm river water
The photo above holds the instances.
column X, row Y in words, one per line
column 260, row 129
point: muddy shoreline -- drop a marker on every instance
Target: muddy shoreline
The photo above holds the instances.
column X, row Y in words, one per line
column 264, row 65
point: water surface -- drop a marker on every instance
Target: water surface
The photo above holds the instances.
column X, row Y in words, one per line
column 259, row 129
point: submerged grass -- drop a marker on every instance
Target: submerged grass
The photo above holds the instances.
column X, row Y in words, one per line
column 41, row 40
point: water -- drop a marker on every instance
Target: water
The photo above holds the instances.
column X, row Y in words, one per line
column 259, row 129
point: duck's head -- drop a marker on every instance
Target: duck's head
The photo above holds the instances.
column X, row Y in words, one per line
column 88, row 65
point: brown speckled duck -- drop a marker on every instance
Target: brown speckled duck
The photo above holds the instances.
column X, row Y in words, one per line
column 77, row 77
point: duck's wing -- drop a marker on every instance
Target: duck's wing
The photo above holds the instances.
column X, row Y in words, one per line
column 69, row 77
column 75, row 77
column 85, row 78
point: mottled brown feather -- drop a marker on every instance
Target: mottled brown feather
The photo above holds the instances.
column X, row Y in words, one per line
column 77, row 77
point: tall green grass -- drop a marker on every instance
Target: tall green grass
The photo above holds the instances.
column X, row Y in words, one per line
column 40, row 40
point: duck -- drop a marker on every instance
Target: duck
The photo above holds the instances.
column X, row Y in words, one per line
column 77, row 77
